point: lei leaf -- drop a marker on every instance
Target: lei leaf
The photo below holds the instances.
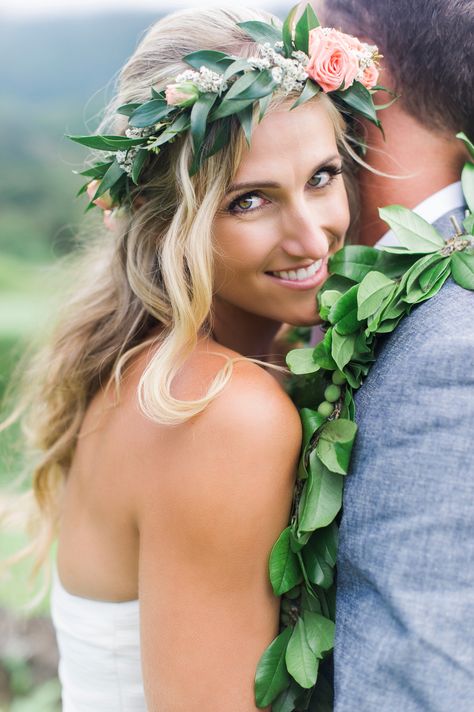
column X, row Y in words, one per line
column 468, row 224
column 319, row 556
column 284, row 566
column 467, row 180
column 467, row 142
column 414, row 233
column 300, row 660
column 328, row 298
column 463, row 269
column 272, row 676
column 286, row 701
column 322, row 498
column 373, row 290
column 342, row 348
column 301, row 361
column 322, row 352
column 344, row 312
column 354, row 262
column 319, row 632
column 311, row 421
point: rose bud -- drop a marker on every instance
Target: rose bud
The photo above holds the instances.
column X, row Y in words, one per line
column 183, row 94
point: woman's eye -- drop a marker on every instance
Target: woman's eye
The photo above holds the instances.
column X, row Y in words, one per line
column 320, row 179
column 246, row 203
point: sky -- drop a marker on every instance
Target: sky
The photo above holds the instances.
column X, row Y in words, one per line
column 46, row 8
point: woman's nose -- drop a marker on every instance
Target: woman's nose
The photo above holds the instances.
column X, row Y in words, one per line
column 303, row 232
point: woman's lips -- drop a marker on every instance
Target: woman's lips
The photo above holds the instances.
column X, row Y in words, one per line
column 310, row 283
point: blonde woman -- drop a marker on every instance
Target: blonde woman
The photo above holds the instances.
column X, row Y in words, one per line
column 169, row 445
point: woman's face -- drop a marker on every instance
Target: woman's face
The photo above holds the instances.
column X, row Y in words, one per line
column 285, row 213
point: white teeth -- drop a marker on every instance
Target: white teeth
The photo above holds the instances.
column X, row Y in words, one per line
column 300, row 274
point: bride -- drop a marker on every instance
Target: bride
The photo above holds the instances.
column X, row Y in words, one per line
column 169, row 445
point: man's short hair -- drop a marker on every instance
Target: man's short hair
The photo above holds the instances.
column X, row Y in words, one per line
column 428, row 46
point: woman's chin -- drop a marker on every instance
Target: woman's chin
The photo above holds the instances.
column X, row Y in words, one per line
column 301, row 320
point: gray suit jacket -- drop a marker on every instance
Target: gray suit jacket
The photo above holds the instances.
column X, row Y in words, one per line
column 405, row 602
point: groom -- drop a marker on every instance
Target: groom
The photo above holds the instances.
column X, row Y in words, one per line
column 405, row 603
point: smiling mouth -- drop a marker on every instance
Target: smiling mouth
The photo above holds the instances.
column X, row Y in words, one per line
column 299, row 275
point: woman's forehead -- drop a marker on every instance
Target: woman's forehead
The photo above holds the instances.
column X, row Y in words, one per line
column 287, row 139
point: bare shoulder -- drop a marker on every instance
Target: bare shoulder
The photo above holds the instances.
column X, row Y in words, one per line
column 257, row 403
column 251, row 422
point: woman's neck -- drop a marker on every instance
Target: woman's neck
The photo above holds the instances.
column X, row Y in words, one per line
column 249, row 334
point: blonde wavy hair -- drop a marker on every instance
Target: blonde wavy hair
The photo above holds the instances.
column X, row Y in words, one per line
column 157, row 270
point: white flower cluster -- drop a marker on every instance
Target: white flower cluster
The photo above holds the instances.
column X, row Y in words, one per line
column 125, row 158
column 206, row 80
column 289, row 73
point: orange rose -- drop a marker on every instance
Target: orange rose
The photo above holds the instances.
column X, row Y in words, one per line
column 333, row 62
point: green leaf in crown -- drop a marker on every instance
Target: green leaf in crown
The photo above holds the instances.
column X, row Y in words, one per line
column 368, row 293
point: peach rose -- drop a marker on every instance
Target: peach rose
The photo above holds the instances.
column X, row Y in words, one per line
column 333, row 61
column 105, row 201
column 370, row 77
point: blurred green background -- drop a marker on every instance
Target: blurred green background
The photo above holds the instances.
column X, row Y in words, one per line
column 56, row 74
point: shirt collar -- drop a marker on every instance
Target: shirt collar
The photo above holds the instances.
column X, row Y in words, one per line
column 431, row 209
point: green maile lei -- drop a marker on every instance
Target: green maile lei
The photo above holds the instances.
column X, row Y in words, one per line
column 240, row 85
column 368, row 293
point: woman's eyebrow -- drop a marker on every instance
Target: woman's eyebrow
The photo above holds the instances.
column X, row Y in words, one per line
column 237, row 187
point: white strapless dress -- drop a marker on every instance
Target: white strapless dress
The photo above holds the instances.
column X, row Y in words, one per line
column 99, row 653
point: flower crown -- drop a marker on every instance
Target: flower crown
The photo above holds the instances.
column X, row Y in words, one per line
column 300, row 57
